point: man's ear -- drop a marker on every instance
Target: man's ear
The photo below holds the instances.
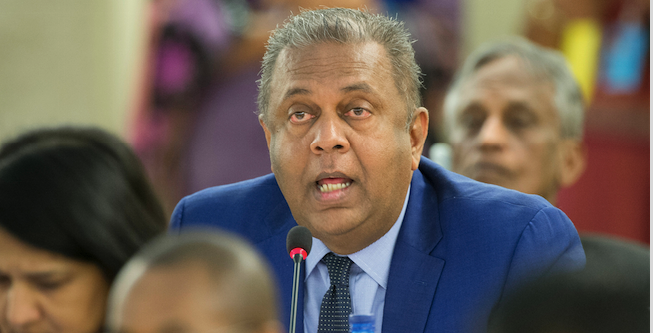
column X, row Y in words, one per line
column 268, row 134
column 573, row 160
column 265, row 129
column 418, row 131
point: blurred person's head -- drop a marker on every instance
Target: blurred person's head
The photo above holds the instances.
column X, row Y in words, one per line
column 514, row 117
column 611, row 294
column 339, row 103
column 194, row 282
column 75, row 204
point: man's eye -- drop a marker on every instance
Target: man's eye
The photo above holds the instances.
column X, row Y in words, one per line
column 520, row 116
column 517, row 123
column 5, row 281
column 51, row 284
column 48, row 285
column 300, row 117
column 358, row 113
column 520, row 121
column 472, row 122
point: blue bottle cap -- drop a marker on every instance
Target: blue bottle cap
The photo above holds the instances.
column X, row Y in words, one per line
column 361, row 323
column 359, row 318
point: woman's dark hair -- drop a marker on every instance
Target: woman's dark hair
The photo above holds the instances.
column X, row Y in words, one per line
column 78, row 192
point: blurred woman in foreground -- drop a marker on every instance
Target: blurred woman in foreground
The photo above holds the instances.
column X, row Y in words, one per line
column 75, row 205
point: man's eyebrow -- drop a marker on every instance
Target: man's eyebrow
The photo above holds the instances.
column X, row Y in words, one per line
column 296, row 91
column 520, row 105
column 471, row 107
column 358, row 87
column 40, row 276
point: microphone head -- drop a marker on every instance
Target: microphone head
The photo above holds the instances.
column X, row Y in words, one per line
column 299, row 238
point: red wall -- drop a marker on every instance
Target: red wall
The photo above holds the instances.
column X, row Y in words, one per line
column 613, row 195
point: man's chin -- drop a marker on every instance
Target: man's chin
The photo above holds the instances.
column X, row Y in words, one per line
column 492, row 179
column 321, row 229
column 490, row 174
column 330, row 224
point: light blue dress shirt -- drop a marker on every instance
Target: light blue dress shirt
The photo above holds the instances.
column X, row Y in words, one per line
column 368, row 279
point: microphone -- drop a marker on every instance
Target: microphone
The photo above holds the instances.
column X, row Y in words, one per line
column 298, row 243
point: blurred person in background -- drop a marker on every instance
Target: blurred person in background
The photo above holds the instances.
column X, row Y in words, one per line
column 436, row 27
column 607, row 44
column 75, row 205
column 187, row 41
column 514, row 118
column 195, row 125
column 611, row 294
column 194, row 282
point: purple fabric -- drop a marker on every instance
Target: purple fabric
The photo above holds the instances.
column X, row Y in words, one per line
column 227, row 144
column 206, row 20
column 174, row 68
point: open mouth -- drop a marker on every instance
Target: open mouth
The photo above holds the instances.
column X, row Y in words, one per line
column 327, row 185
column 325, row 188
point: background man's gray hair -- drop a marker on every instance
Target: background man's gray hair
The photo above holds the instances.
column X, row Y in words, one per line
column 542, row 63
column 345, row 26
column 240, row 275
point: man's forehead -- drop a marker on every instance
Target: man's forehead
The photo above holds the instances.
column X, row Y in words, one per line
column 325, row 60
column 174, row 293
column 508, row 70
column 507, row 83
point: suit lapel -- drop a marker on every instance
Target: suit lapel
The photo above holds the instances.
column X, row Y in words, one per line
column 411, row 287
column 280, row 221
column 413, row 276
column 414, row 273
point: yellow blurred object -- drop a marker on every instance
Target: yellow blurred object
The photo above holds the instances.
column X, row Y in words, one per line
column 581, row 44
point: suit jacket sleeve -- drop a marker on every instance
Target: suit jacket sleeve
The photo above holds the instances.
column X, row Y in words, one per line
column 177, row 214
column 549, row 243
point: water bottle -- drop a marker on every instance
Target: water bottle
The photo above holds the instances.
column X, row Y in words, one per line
column 361, row 323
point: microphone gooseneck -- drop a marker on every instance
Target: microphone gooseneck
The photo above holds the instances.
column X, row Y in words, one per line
column 298, row 244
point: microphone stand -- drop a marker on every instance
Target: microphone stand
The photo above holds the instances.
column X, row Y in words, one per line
column 297, row 259
column 298, row 244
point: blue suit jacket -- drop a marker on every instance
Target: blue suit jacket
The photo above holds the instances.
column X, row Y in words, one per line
column 462, row 245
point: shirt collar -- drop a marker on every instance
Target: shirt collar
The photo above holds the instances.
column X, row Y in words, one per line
column 374, row 260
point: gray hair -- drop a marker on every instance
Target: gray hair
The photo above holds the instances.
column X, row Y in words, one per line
column 241, row 277
column 345, row 26
column 542, row 63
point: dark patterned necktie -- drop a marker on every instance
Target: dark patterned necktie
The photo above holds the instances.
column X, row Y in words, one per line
column 336, row 304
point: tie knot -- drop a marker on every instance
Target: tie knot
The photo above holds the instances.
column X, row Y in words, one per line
column 338, row 268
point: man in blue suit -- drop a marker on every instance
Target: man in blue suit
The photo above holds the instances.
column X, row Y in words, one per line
column 426, row 250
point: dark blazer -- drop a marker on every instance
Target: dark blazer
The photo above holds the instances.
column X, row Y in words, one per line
column 462, row 245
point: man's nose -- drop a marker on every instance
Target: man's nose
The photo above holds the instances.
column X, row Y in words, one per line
column 493, row 133
column 21, row 306
column 330, row 135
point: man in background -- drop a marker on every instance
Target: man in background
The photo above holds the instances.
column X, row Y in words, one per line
column 209, row 282
column 514, row 118
column 610, row 295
